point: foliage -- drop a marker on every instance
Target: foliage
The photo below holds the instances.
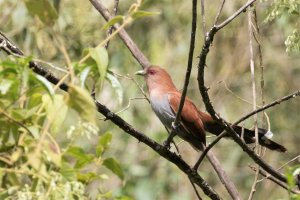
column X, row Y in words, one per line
column 40, row 126
column 33, row 164
column 61, row 154
column 289, row 9
column 290, row 173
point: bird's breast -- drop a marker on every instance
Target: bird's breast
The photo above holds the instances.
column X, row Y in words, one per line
column 161, row 106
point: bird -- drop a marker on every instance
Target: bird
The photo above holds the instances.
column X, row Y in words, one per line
column 165, row 99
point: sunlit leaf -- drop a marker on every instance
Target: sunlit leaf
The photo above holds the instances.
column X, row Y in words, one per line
column 114, row 20
column 68, row 172
column 114, row 166
column 83, row 76
column 141, row 13
column 81, row 101
column 5, row 84
column 100, row 56
column 103, row 144
column 82, row 158
column 52, row 152
column 56, row 109
column 46, row 84
column 86, row 177
column 116, row 85
column 22, row 114
column 123, row 198
column 34, row 130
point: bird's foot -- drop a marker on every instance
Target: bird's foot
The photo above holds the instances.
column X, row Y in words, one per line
column 175, row 126
column 167, row 144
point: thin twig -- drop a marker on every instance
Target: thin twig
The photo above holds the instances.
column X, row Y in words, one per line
column 285, row 164
column 203, row 18
column 209, row 107
column 274, row 103
column 190, row 63
column 229, row 185
column 232, row 17
column 118, row 121
column 252, row 70
column 62, row 48
column 207, row 148
column 224, row 133
column 14, row 121
column 219, row 12
column 115, row 11
column 274, row 180
column 129, row 103
column 279, row 168
column 195, row 189
column 135, row 51
column 134, row 81
column 30, row 173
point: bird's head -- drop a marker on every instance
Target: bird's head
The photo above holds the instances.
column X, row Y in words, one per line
column 156, row 78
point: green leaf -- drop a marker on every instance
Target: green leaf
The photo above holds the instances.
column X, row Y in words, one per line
column 116, row 19
column 83, row 76
column 5, row 84
column 116, row 85
column 105, row 139
column 141, row 13
column 56, row 109
column 68, row 172
column 34, row 131
column 81, row 157
column 81, row 101
column 43, row 9
column 103, row 144
column 114, row 166
column 22, row 114
column 100, row 56
column 48, row 86
column 86, row 177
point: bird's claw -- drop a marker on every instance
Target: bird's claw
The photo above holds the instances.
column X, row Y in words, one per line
column 167, row 144
column 175, row 125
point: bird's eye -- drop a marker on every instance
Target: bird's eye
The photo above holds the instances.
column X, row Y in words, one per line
column 151, row 72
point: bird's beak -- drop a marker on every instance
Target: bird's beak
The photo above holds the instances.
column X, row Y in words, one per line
column 141, row 73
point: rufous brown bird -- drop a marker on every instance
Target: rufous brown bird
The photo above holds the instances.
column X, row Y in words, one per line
column 165, row 99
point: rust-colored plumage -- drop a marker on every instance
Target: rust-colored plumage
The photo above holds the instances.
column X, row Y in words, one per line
column 165, row 99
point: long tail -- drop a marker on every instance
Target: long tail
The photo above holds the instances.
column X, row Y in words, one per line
column 249, row 136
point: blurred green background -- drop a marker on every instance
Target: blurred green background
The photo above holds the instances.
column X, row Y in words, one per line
column 164, row 39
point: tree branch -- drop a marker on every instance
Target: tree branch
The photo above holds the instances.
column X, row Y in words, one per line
column 232, row 17
column 11, row 49
column 187, row 75
column 271, row 178
column 135, row 51
column 208, row 104
column 274, row 103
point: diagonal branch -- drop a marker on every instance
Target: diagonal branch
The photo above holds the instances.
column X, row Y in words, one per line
column 272, row 104
column 237, row 13
column 271, row 178
column 135, row 51
column 187, row 75
column 208, row 104
column 11, row 49
column 216, row 164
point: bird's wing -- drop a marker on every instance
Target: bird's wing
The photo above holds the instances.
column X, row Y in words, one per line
column 189, row 117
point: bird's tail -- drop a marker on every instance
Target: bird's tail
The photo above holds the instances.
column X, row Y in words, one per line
column 249, row 136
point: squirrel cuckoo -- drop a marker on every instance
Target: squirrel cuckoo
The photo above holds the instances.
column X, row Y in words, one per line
column 165, row 99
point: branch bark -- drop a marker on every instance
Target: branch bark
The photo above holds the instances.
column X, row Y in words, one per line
column 208, row 104
column 11, row 49
column 135, row 51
